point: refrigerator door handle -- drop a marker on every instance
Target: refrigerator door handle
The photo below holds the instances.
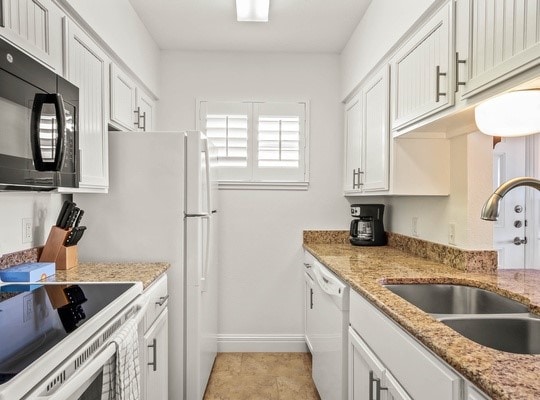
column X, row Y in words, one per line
column 204, row 282
column 197, row 215
column 208, row 183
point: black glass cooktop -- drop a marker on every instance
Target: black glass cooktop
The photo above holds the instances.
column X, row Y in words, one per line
column 36, row 317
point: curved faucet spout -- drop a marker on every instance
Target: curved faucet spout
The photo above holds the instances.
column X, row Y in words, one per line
column 490, row 211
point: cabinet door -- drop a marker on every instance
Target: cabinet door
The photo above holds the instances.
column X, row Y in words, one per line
column 145, row 110
column 154, row 368
column 503, row 40
column 375, row 128
column 473, row 394
column 308, row 315
column 36, row 27
column 87, row 68
column 422, row 72
column 365, row 370
column 393, row 389
column 353, row 145
column 122, row 99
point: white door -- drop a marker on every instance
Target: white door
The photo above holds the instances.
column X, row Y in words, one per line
column 509, row 229
column 376, row 132
column 365, row 370
column 155, row 369
column 353, row 146
column 88, row 68
column 122, row 99
column 201, row 263
column 145, row 111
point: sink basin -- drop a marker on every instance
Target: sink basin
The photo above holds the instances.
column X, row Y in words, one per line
column 456, row 299
column 514, row 335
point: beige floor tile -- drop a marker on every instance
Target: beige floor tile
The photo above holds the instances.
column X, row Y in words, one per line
column 296, row 388
column 234, row 387
column 261, row 376
column 274, row 364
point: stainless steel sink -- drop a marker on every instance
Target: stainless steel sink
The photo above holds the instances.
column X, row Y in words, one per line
column 456, row 299
column 515, row 335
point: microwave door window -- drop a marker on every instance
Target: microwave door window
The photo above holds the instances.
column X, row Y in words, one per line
column 48, row 132
column 15, row 119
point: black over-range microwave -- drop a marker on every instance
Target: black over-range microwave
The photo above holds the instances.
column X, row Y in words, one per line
column 38, row 125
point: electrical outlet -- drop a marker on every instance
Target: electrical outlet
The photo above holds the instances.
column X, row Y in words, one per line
column 452, row 234
column 414, row 226
column 27, row 230
column 28, row 307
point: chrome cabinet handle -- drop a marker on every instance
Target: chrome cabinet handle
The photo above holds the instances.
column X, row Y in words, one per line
column 143, row 125
column 162, row 300
column 137, row 122
column 438, row 75
column 371, row 380
column 378, row 387
column 356, row 174
column 311, row 299
column 458, row 82
column 154, row 354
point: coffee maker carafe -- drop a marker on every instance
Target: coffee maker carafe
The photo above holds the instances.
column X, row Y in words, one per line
column 367, row 228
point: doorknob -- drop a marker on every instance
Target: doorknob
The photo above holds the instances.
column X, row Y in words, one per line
column 518, row 241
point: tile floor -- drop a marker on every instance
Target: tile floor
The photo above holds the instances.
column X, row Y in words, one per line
column 261, row 376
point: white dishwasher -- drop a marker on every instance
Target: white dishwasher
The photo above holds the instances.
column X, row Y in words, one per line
column 327, row 321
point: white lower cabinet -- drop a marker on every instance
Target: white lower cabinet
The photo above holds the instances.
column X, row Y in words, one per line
column 154, row 369
column 388, row 363
column 154, row 343
column 368, row 379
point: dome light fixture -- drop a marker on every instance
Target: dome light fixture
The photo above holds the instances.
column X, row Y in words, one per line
column 510, row 114
column 252, row 10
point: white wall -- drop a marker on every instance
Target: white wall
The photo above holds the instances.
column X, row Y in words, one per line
column 261, row 231
column 383, row 24
column 470, row 185
column 42, row 208
column 117, row 23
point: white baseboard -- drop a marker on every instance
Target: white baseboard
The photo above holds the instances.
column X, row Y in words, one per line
column 261, row 343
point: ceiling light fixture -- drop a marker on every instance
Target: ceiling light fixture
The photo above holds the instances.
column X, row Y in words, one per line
column 510, row 114
column 252, row 10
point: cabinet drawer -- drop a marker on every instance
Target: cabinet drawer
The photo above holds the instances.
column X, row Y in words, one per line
column 157, row 301
column 420, row 373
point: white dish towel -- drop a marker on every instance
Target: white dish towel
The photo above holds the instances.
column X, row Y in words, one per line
column 121, row 374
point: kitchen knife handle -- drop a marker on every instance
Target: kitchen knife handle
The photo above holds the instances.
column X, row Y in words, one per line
column 79, row 217
column 2, row 22
column 62, row 211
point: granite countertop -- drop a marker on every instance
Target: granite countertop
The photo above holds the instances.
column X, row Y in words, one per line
column 112, row 272
column 499, row 374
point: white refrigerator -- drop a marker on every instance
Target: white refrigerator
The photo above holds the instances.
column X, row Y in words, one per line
column 161, row 206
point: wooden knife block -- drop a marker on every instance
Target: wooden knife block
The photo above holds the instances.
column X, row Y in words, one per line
column 55, row 251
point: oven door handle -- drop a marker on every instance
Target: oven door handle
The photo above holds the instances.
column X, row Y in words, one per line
column 77, row 382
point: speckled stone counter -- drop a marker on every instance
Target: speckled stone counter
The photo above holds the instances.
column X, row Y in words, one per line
column 499, row 374
column 112, row 272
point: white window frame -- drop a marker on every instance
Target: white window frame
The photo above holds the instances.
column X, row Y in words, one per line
column 247, row 178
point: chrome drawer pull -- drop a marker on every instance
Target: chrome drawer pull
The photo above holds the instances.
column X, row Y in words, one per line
column 162, row 300
column 154, row 354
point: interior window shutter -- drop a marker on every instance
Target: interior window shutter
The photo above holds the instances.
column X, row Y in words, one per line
column 280, row 142
column 226, row 124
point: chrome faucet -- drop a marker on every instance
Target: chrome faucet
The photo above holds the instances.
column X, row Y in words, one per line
column 490, row 211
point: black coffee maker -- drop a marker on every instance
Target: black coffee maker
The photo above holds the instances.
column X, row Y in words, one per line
column 367, row 228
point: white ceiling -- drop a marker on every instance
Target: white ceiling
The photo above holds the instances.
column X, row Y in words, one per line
column 294, row 26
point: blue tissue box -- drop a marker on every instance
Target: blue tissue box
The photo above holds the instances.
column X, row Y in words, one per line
column 28, row 272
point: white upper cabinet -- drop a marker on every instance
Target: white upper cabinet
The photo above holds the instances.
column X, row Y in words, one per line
column 122, row 99
column 36, row 27
column 145, row 112
column 502, row 40
column 367, row 137
column 353, row 145
column 131, row 109
column 376, row 132
column 422, row 71
column 88, row 69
